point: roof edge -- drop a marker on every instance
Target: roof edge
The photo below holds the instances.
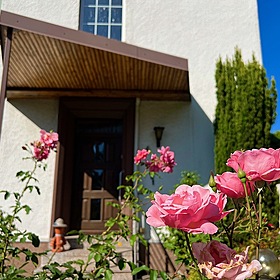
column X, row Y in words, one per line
column 94, row 41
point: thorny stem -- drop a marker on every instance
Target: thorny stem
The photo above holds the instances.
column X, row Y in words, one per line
column 259, row 230
column 192, row 256
column 249, row 209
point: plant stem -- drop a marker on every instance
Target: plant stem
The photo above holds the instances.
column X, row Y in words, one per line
column 249, row 210
column 259, row 229
column 16, row 209
column 192, row 256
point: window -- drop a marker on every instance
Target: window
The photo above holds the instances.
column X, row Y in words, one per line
column 102, row 17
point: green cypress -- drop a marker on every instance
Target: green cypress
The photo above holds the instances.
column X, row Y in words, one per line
column 246, row 107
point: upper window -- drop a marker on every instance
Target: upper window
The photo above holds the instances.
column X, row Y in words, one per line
column 102, row 17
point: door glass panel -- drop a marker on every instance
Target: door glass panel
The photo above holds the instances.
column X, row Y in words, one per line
column 97, row 179
column 99, row 151
column 95, row 209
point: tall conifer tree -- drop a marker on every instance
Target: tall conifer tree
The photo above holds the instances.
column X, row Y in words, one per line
column 246, row 107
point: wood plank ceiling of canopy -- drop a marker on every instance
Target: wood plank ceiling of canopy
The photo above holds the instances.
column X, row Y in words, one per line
column 47, row 60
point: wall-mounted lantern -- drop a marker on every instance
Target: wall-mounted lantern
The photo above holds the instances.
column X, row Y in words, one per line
column 158, row 132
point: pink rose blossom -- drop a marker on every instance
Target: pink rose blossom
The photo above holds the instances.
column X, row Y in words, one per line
column 43, row 147
column 164, row 163
column 49, row 138
column 259, row 165
column 141, row 155
column 167, row 159
column 191, row 209
column 229, row 184
column 217, row 261
column 40, row 150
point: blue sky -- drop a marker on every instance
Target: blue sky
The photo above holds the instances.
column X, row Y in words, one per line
column 269, row 19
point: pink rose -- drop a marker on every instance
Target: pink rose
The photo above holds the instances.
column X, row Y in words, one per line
column 231, row 185
column 141, row 155
column 167, row 159
column 164, row 163
column 40, row 150
column 217, row 261
column 49, row 138
column 43, row 147
column 259, row 165
column 191, row 209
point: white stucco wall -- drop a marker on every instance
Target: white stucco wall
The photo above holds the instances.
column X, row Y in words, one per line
column 200, row 31
column 62, row 12
column 23, row 120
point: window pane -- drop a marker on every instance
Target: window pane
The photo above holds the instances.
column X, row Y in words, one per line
column 89, row 2
column 102, row 30
column 116, row 32
column 117, row 2
column 116, row 15
column 89, row 14
column 88, row 28
column 95, row 209
column 103, row 2
column 103, row 14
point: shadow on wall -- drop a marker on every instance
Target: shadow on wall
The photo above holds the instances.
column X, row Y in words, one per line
column 188, row 131
column 42, row 112
column 203, row 146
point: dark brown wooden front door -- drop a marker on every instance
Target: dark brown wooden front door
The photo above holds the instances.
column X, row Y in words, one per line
column 98, row 171
column 95, row 155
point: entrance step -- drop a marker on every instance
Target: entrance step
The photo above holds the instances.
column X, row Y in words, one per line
column 80, row 252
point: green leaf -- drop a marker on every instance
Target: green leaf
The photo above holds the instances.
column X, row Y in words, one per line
column 132, row 239
column 121, row 264
column 163, row 275
column 27, row 209
column 97, row 257
column 139, row 269
column 108, row 274
column 7, row 195
column 153, row 275
column 34, row 239
column 80, row 262
column 34, row 259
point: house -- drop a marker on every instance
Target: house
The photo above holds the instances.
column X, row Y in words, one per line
column 105, row 96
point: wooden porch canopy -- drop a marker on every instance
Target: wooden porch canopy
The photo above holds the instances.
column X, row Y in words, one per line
column 42, row 60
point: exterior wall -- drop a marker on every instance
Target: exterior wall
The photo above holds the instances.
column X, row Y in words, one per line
column 62, row 12
column 198, row 30
column 23, row 120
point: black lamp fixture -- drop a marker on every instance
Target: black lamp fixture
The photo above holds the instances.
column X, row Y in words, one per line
column 158, row 132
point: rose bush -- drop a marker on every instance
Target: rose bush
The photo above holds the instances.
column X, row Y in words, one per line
column 191, row 209
column 217, row 261
column 195, row 209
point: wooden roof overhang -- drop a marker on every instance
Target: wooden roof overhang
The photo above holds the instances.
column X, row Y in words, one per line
column 43, row 60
